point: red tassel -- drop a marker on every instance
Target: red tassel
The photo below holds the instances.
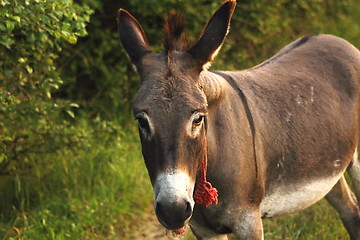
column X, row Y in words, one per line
column 205, row 193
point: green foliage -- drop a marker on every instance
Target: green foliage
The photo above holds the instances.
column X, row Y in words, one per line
column 32, row 123
column 260, row 29
column 98, row 72
column 32, row 34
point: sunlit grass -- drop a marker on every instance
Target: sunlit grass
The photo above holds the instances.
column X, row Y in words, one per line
column 90, row 193
column 320, row 221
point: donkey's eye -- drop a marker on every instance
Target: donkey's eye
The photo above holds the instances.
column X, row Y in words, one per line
column 198, row 119
column 194, row 126
column 143, row 124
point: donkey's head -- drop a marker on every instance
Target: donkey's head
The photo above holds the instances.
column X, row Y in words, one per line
column 171, row 107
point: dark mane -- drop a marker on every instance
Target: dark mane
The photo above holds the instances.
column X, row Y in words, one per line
column 174, row 28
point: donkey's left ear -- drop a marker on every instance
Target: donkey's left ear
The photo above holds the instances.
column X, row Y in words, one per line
column 214, row 33
column 132, row 36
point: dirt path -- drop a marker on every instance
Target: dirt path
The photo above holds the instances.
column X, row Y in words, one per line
column 151, row 229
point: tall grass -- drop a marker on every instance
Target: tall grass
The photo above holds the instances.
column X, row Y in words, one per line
column 92, row 192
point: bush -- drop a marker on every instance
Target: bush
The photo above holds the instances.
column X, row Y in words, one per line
column 32, row 123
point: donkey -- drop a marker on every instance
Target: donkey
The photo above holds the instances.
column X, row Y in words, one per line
column 272, row 139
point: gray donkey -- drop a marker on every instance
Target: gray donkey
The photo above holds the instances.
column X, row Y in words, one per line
column 272, row 139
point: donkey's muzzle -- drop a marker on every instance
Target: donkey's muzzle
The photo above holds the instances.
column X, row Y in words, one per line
column 173, row 199
column 173, row 214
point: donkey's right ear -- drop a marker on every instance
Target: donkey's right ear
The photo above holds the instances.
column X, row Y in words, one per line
column 132, row 36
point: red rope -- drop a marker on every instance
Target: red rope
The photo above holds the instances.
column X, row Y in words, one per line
column 205, row 193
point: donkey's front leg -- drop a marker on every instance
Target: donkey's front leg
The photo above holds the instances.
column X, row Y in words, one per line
column 248, row 224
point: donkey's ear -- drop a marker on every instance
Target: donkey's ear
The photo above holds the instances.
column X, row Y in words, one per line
column 213, row 35
column 132, row 36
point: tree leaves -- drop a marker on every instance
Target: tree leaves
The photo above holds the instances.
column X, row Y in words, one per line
column 32, row 36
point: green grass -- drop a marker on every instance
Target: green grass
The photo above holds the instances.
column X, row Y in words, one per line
column 320, row 221
column 89, row 192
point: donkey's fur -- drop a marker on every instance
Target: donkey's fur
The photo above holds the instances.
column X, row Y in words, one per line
column 279, row 135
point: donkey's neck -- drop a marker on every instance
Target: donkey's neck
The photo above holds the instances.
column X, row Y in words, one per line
column 214, row 86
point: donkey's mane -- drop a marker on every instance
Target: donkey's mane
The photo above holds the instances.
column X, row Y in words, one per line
column 174, row 37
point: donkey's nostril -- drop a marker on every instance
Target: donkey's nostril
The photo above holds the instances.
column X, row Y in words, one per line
column 188, row 210
column 159, row 210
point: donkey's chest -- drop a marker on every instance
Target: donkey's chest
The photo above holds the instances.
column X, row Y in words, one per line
column 285, row 199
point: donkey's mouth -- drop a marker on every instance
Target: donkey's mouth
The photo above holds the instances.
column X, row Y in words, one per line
column 173, row 218
column 174, row 226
